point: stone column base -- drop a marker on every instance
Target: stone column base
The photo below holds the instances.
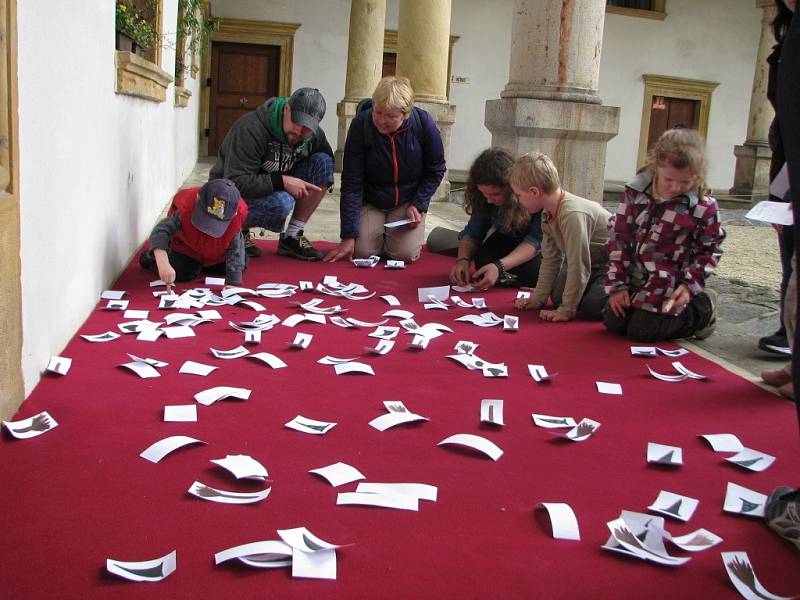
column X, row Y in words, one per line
column 751, row 177
column 444, row 114
column 573, row 134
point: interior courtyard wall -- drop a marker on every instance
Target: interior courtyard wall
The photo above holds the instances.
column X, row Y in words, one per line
column 96, row 168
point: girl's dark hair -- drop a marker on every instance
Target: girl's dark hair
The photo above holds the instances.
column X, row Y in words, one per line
column 781, row 22
column 491, row 168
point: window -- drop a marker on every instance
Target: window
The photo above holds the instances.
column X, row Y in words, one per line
column 649, row 9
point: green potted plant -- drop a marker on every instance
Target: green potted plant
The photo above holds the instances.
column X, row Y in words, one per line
column 195, row 28
column 134, row 26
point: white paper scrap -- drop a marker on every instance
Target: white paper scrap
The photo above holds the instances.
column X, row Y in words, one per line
column 269, row 360
column 31, row 427
column 116, row 305
column 643, row 350
column 302, row 539
column 551, row 422
column 252, row 337
column 583, row 430
column 743, row 577
column 242, row 466
column 237, row 352
column 723, row 442
column 674, row 378
column 684, row 371
column 59, row 365
column 195, row 368
column 440, row 293
column 743, row 501
column 142, row 369
column 179, row 331
column 510, row 323
column 664, row 455
column 147, row 570
column 696, row 541
column 314, row 565
column 475, row 442
column 382, row 500
column 353, row 367
column 180, row 413
column 206, row 492
column 297, row 318
column 264, row 554
column 112, row 294
column 305, row 425
column 392, row 419
column 155, row 452
column 399, row 313
column 395, row 264
column 381, row 348
column 215, row 281
column 609, row 388
column 769, row 211
column 301, row 340
column 673, row 353
column 396, row 224
column 674, row 505
column 540, row 374
column 563, row 520
column 492, row 411
column 101, row 337
column 752, row 460
column 422, row 491
column 390, row 300
column 338, row 473
column 211, row 395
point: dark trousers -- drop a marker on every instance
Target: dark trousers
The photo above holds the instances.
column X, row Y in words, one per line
column 786, row 246
column 186, row 268
column 645, row 326
column 594, row 297
column 497, row 246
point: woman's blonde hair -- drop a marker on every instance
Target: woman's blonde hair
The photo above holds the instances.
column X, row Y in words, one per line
column 680, row 148
column 491, row 168
column 535, row 169
column 394, row 93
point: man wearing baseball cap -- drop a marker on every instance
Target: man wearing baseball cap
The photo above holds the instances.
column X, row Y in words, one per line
column 282, row 163
column 201, row 233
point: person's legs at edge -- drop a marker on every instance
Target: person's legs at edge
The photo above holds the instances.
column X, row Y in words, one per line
column 404, row 243
column 498, row 245
column 779, row 339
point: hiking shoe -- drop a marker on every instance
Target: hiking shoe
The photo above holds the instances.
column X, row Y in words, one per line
column 250, row 248
column 782, row 514
column 298, row 247
column 706, row 331
column 147, row 260
column 775, row 344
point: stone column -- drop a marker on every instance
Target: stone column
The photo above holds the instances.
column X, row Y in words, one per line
column 423, row 48
column 364, row 63
column 751, row 177
column 550, row 103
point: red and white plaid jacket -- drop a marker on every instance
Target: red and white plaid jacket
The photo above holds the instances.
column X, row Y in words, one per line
column 654, row 247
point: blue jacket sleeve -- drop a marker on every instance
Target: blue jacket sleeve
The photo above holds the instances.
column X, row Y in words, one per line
column 352, row 186
column 433, row 163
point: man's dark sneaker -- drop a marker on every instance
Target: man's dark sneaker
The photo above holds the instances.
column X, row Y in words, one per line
column 775, row 344
column 706, row 331
column 249, row 247
column 298, row 247
column 147, row 260
column 782, row 514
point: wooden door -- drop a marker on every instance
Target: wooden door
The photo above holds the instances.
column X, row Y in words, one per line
column 667, row 113
column 243, row 76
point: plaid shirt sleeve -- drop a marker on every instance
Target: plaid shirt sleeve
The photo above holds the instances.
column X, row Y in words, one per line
column 621, row 243
column 707, row 245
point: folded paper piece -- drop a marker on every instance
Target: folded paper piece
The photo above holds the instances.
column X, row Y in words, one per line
column 116, row 305
column 643, row 351
column 550, row 422
column 624, row 539
column 31, row 427
column 264, row 555
column 195, row 368
column 674, row 505
column 742, row 501
column 180, row 413
column 609, row 388
column 743, row 577
column 301, row 340
column 252, row 337
column 395, row 264
column 540, row 374
column 215, row 281
column 269, row 359
column 302, row 539
column 353, row 367
column 510, row 323
column 305, row 425
column 390, row 300
column 723, row 442
column 112, row 294
column 769, row 211
column 315, row 565
column 237, row 352
column 392, row 419
column 396, row 224
column 664, row 455
column 296, row 319
column 333, row 360
column 142, row 369
column 668, row 377
column 684, row 371
column 562, row 520
column 382, row 347
column 211, row 494
column 582, row 431
column 475, row 442
column 59, row 365
column 338, row 473
column 101, row 337
column 440, row 293
column 242, row 466
column 367, row 262
column 421, row 491
column 155, row 452
column 752, row 460
column 696, row 541
column 492, row 411
column 148, row 570
column 212, row 395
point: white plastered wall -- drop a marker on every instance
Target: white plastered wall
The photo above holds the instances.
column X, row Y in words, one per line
column 96, row 168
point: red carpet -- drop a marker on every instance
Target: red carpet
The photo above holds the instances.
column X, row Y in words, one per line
column 80, row 493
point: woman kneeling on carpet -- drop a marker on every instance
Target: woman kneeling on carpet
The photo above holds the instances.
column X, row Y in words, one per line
column 202, row 233
column 665, row 239
column 510, row 255
column 393, row 164
column 573, row 249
